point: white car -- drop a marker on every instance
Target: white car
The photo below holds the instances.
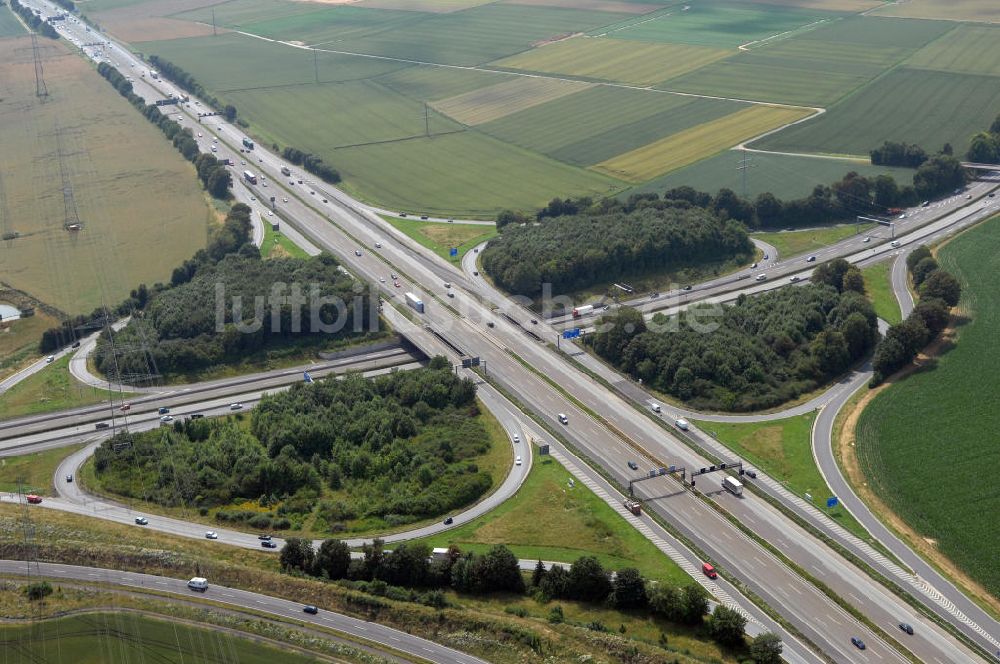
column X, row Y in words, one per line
column 563, row 418
column 381, row 280
column 236, row 406
column 50, row 359
column 253, row 198
column 895, row 243
column 516, row 438
column 211, row 534
column 215, row 149
column 270, row 214
column 243, row 162
column 517, row 461
column 284, row 200
column 199, row 134
column 378, row 245
column 167, row 418
column 868, row 238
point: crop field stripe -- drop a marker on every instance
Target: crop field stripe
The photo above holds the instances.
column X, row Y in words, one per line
column 947, row 414
column 615, row 59
column 968, row 49
column 691, row 145
column 496, row 101
column 912, row 105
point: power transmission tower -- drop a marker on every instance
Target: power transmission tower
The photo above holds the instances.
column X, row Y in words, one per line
column 427, row 122
column 316, row 64
column 214, row 33
column 71, row 216
column 744, row 165
column 41, row 91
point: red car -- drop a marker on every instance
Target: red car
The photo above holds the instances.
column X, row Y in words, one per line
column 709, row 571
column 33, row 499
column 126, row 406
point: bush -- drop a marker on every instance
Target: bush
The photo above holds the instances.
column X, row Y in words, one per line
column 38, row 590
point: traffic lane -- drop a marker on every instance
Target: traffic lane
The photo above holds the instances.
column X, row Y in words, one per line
column 182, row 394
column 988, row 634
column 141, row 421
column 31, row 370
column 832, row 627
column 368, row 631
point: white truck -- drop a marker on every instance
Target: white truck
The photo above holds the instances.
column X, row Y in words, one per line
column 198, row 583
column 682, row 424
column 732, row 485
column 415, row 302
column 582, row 311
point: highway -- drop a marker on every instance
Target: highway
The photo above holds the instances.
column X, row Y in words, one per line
column 609, row 430
column 367, row 631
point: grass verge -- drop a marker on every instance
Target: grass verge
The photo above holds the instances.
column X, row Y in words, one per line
column 52, row 388
column 878, row 286
column 33, row 472
column 277, row 245
column 551, row 519
column 793, row 243
column 441, row 238
column 783, row 448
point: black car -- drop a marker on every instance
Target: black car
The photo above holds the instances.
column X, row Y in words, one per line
column 906, row 627
column 449, row 521
column 309, row 608
column 268, row 544
column 101, row 425
column 633, row 465
column 858, row 643
column 266, row 538
column 688, row 287
column 197, row 416
column 76, row 344
column 752, row 474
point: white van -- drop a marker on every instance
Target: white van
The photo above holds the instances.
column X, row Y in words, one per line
column 761, row 277
column 198, row 583
column 655, row 407
column 563, row 418
column 682, row 424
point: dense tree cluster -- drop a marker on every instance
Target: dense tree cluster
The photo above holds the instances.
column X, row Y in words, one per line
column 68, row 5
column 212, row 172
column 898, row 154
column 313, row 164
column 985, row 146
column 237, row 306
column 33, row 20
column 601, row 245
column 397, row 448
column 939, row 291
column 758, row 353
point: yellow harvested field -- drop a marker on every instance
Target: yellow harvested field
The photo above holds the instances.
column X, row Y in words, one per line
column 948, row 10
column 621, row 60
column 697, row 143
column 496, row 101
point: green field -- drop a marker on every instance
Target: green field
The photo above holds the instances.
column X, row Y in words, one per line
column 956, row 10
column 9, row 25
column 968, row 49
column 793, row 243
column 465, row 173
column 605, row 122
column 121, row 638
column 878, row 286
column 785, row 176
column 274, row 65
column 328, row 25
column 52, row 388
column 783, row 449
column 718, row 24
column 19, row 341
column 33, row 473
column 128, row 234
column 549, row 520
column 622, row 60
column 928, row 108
column 947, row 408
column 795, row 71
column 475, row 36
column 276, row 244
column 434, row 83
column 441, row 238
column 235, row 13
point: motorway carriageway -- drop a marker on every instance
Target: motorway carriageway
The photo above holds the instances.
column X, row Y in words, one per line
column 799, row 601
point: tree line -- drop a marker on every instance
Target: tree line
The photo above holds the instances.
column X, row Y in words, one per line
column 185, row 81
column 763, row 351
column 985, row 146
column 68, row 5
column 410, row 565
column 607, row 242
column 226, row 311
column 938, row 291
column 312, row 163
column 900, row 154
column 34, row 21
column 214, row 174
column 384, row 451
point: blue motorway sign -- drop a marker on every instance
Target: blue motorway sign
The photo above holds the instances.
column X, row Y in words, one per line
column 832, row 501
